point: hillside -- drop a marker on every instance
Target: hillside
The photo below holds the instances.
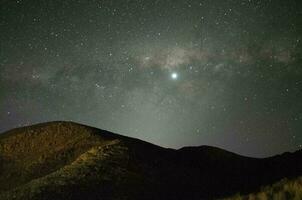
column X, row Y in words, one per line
column 65, row 160
column 284, row 189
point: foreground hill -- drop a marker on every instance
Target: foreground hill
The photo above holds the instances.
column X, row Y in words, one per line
column 284, row 189
column 65, row 160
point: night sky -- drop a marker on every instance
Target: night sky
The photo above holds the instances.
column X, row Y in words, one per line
column 225, row 73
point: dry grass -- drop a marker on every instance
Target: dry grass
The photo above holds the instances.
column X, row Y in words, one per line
column 62, row 160
column 54, row 161
column 36, row 152
column 283, row 190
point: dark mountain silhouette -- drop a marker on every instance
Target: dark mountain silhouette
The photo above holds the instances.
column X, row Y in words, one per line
column 65, row 160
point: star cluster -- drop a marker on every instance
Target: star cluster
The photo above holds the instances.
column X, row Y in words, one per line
column 171, row 72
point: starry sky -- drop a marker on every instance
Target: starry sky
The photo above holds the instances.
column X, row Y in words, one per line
column 225, row 73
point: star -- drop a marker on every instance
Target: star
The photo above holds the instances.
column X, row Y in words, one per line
column 174, row 76
column 191, row 64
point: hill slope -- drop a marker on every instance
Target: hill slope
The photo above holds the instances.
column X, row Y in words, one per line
column 64, row 160
column 284, row 189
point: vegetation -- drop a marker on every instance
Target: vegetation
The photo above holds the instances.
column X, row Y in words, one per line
column 31, row 153
column 56, row 157
column 283, row 190
column 69, row 161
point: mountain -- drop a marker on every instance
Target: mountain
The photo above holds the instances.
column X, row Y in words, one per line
column 65, row 160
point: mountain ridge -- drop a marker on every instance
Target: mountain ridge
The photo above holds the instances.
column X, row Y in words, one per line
column 66, row 160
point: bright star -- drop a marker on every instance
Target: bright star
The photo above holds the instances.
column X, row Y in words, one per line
column 174, row 75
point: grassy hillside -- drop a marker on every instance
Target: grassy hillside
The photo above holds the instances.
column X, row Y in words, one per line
column 63, row 160
column 69, row 161
column 283, row 190
column 31, row 153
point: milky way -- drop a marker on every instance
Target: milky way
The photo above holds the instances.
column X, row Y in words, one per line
column 174, row 73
